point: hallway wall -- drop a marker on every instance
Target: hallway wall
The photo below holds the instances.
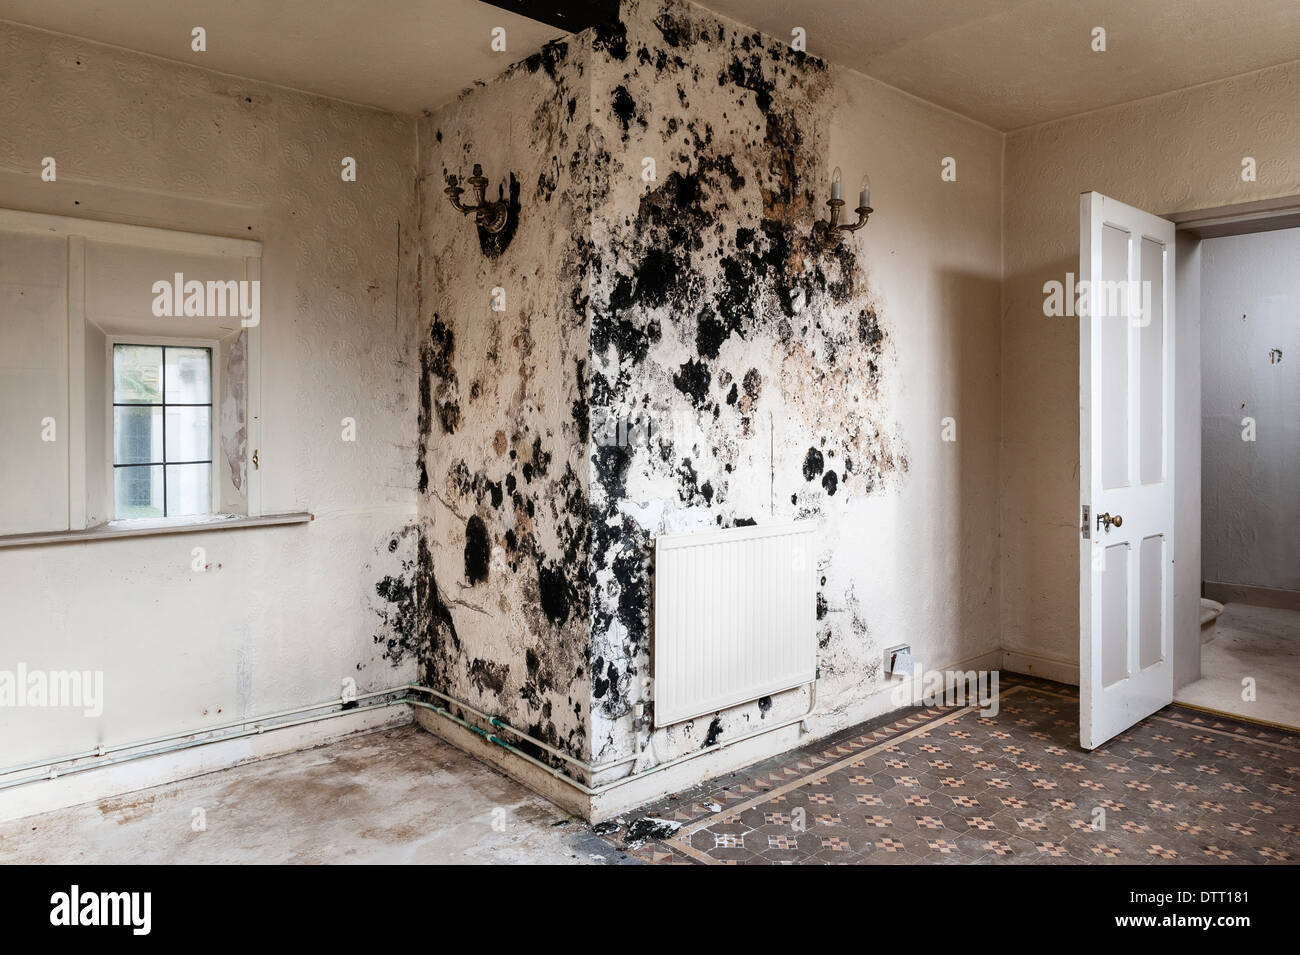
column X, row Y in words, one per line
column 1250, row 328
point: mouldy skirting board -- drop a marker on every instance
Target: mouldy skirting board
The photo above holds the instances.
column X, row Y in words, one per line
column 128, row 777
column 611, row 803
column 568, row 798
column 1047, row 668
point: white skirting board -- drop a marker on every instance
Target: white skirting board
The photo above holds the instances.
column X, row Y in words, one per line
column 127, row 777
column 1047, row 668
column 612, row 802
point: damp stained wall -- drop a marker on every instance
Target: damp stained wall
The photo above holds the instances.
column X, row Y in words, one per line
column 674, row 342
column 1177, row 152
column 1250, row 331
column 769, row 375
column 291, row 612
column 503, row 429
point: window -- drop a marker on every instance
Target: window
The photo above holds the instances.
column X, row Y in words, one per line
column 162, row 430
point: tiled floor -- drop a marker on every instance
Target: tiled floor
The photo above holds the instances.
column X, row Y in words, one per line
column 950, row 786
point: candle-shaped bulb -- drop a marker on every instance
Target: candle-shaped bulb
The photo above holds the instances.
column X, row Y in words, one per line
column 835, row 184
column 864, row 197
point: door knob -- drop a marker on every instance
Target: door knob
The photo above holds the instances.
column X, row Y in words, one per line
column 1106, row 519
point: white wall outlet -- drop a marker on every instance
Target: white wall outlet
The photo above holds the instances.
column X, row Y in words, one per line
column 899, row 662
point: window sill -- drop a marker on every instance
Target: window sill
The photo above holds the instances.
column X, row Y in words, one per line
column 150, row 527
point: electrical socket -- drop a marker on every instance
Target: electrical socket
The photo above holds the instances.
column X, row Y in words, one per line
column 891, row 657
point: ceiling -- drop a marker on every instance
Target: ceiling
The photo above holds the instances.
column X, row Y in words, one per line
column 1014, row 63
column 400, row 55
column 1007, row 63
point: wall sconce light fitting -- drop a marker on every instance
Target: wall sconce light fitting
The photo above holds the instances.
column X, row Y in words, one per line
column 829, row 233
column 491, row 215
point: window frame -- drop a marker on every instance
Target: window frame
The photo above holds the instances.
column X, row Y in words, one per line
column 214, row 350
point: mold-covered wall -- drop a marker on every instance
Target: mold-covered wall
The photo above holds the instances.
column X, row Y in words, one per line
column 673, row 355
column 762, row 377
column 501, row 585
column 284, row 614
column 755, row 362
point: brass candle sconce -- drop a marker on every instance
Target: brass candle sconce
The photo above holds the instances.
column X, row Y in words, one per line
column 829, row 233
column 490, row 215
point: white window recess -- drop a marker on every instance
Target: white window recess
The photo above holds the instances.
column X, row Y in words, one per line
column 69, row 289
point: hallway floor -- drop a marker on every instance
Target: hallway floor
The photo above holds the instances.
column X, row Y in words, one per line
column 1249, row 641
column 945, row 785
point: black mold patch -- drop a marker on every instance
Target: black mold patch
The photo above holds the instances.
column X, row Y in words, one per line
column 439, row 394
column 715, row 731
column 625, row 109
column 675, row 31
column 747, row 73
column 869, row 332
column 548, row 58
column 611, row 37
column 494, row 243
column 415, row 621
column 659, row 278
column 693, row 379
column 477, row 549
column 488, row 677
column 812, row 464
column 555, row 592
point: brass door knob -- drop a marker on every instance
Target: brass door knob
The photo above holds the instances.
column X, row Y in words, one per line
column 1108, row 520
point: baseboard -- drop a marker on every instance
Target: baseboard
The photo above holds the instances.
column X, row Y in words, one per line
column 885, row 700
column 1247, row 594
column 91, row 785
column 650, row 786
column 569, row 798
column 1048, row 668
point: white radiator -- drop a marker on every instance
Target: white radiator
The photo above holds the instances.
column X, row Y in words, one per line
column 735, row 617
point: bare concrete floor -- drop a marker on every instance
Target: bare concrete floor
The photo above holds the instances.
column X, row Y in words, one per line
column 1258, row 642
column 396, row 796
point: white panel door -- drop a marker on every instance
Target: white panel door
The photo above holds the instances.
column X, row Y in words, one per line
column 1126, row 466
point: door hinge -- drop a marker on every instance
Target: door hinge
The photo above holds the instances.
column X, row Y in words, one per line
column 1085, row 528
column 255, row 464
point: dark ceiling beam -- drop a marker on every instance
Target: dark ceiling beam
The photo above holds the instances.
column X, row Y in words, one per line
column 572, row 16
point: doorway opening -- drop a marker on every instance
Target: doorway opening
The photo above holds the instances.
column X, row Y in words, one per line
column 1240, row 284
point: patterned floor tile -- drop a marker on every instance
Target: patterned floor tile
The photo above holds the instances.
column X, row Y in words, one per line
column 949, row 786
